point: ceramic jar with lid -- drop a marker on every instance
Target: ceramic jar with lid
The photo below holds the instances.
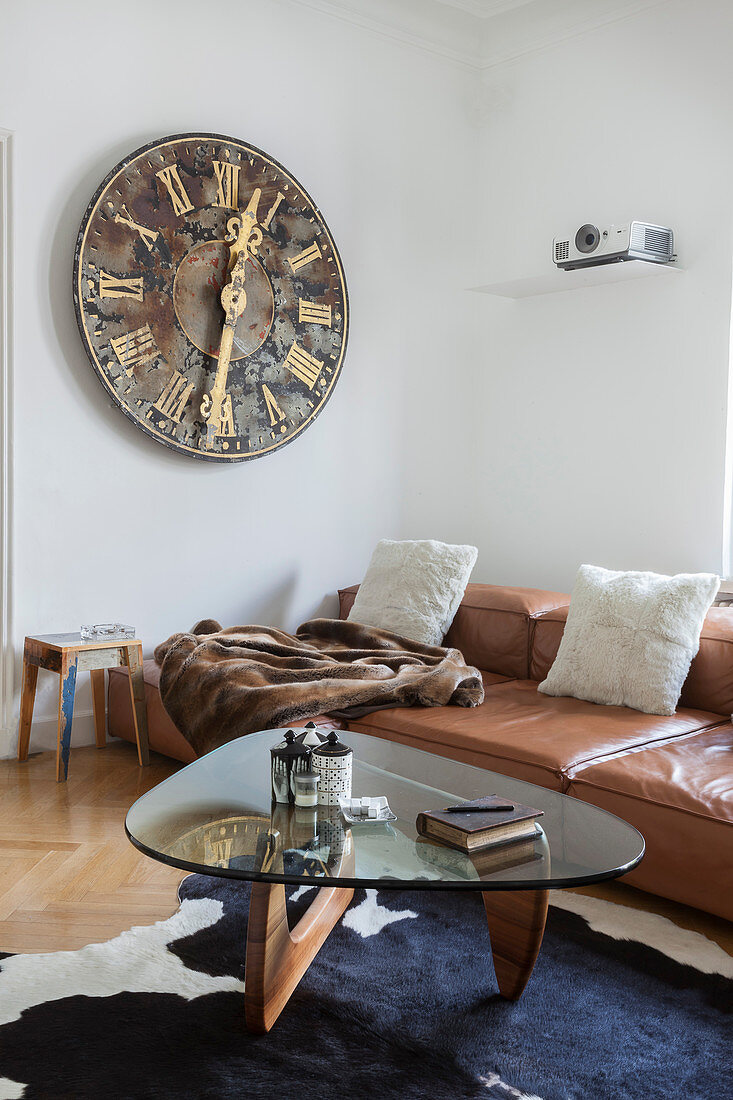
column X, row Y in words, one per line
column 288, row 759
column 333, row 762
column 311, row 737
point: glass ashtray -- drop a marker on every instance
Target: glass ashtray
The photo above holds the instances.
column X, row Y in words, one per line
column 106, row 632
column 380, row 803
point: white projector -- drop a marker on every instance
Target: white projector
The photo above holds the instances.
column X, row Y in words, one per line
column 591, row 246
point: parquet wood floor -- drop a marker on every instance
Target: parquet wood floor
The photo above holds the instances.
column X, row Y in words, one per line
column 69, row 876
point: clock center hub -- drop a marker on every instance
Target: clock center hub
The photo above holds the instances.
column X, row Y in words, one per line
column 197, row 300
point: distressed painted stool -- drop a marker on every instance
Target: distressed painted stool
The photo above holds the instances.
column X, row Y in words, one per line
column 67, row 655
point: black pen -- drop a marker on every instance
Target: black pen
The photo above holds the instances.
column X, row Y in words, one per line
column 469, row 809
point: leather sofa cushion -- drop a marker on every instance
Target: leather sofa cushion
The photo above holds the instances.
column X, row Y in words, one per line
column 530, row 736
column 679, row 795
column 163, row 735
column 709, row 683
column 692, row 774
column 492, row 626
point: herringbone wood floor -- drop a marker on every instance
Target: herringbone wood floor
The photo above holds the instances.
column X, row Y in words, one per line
column 69, row 876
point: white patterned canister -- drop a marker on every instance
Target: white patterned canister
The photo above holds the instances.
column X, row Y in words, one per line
column 332, row 760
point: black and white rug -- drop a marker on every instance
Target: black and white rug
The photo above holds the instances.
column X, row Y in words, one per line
column 400, row 1004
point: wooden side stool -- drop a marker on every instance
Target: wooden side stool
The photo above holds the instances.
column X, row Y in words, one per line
column 67, row 654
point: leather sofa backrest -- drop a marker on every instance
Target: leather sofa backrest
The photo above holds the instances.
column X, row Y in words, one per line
column 709, row 683
column 346, row 600
column 493, row 625
column 546, row 638
column 516, row 632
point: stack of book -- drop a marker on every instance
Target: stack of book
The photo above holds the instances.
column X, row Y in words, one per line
column 480, row 824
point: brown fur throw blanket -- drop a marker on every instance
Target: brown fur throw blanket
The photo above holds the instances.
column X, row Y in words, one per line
column 220, row 684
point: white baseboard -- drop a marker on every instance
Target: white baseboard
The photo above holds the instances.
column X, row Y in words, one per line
column 44, row 734
column 8, row 743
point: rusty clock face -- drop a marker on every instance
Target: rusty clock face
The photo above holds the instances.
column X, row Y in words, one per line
column 210, row 297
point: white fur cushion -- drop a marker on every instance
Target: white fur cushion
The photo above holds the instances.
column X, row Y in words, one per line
column 630, row 638
column 414, row 588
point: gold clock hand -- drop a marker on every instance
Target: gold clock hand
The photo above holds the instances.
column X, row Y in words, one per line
column 233, row 301
column 244, row 228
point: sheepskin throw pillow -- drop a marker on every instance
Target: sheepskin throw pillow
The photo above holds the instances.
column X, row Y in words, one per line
column 630, row 638
column 414, row 588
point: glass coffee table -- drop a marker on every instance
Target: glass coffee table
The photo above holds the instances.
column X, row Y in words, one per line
column 215, row 817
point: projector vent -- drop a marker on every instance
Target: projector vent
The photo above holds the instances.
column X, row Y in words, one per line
column 562, row 250
column 657, row 240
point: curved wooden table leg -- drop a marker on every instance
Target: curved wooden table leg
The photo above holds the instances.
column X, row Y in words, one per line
column 516, row 921
column 276, row 957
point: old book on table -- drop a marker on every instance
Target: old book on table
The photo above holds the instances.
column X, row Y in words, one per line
column 473, row 830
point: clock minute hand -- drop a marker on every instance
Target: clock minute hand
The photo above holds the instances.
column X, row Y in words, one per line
column 233, row 301
column 243, row 228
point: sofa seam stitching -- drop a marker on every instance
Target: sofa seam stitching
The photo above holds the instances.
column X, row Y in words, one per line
column 630, row 750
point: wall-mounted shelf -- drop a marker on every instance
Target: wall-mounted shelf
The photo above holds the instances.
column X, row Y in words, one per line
column 556, row 281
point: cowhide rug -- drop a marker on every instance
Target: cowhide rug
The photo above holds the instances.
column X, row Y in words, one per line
column 400, row 1004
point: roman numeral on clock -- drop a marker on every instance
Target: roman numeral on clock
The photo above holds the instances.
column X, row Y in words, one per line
column 303, row 365
column 174, row 397
column 227, row 179
column 135, row 347
column 271, row 211
column 314, row 312
column 305, row 257
column 147, row 236
column 226, row 423
column 128, row 286
column 274, row 410
column 176, row 191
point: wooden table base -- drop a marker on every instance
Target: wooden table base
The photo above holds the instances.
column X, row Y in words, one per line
column 516, row 920
column 276, row 957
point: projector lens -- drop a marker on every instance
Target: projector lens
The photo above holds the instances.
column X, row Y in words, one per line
column 587, row 238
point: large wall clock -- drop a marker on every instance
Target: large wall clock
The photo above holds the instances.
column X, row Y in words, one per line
column 210, row 297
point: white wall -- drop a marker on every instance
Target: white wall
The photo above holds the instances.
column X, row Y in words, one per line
column 588, row 426
column 596, row 419
column 109, row 524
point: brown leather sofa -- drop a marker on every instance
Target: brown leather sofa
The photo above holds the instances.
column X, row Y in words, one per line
column 671, row 777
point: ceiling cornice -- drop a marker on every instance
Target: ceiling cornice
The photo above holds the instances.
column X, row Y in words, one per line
column 569, row 20
column 356, row 12
column 480, row 36
column 485, row 9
